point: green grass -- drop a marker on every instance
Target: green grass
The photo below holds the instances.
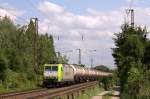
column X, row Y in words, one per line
column 4, row 89
column 18, row 82
column 88, row 94
column 106, row 97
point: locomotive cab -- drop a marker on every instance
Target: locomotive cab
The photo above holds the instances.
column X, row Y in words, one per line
column 52, row 73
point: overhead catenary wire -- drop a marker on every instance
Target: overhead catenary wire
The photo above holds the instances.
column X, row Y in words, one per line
column 58, row 37
column 46, row 16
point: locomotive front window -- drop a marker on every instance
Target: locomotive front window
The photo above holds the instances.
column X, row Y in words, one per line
column 54, row 68
column 47, row 68
column 51, row 68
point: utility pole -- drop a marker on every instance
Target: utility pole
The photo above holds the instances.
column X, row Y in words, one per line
column 132, row 17
column 79, row 56
column 35, row 58
column 131, row 12
column 91, row 62
column 58, row 57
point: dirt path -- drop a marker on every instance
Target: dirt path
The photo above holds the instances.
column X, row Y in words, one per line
column 115, row 95
column 99, row 96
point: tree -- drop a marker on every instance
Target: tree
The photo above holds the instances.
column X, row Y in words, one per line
column 46, row 50
column 3, row 66
column 147, row 56
column 128, row 54
column 102, row 68
column 17, row 53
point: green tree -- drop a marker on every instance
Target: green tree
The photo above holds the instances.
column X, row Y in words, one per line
column 17, row 54
column 128, row 54
column 3, row 66
column 147, row 56
column 102, row 68
column 46, row 50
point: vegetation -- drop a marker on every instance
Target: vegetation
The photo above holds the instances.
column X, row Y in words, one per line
column 102, row 68
column 131, row 57
column 88, row 94
column 17, row 55
column 107, row 96
column 105, row 81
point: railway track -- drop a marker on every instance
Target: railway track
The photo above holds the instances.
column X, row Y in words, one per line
column 19, row 94
column 48, row 93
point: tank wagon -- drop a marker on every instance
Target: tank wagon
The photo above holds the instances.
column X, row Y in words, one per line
column 56, row 74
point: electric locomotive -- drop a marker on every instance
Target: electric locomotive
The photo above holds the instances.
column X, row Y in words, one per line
column 57, row 74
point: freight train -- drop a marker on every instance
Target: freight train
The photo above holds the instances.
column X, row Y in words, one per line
column 57, row 74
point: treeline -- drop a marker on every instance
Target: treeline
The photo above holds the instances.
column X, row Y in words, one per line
column 132, row 57
column 17, row 54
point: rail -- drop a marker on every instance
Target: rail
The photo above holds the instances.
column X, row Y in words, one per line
column 48, row 93
column 13, row 95
column 65, row 91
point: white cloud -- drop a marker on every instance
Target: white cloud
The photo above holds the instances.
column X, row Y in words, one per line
column 134, row 0
column 136, row 3
column 50, row 7
column 10, row 11
column 97, row 27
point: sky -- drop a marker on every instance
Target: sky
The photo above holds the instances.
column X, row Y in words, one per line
column 80, row 24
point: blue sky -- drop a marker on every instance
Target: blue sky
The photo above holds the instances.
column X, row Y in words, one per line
column 96, row 20
column 75, row 6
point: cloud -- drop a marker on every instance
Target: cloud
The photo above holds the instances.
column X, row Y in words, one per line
column 97, row 28
column 95, row 20
column 134, row 0
column 50, row 7
column 10, row 11
column 134, row 3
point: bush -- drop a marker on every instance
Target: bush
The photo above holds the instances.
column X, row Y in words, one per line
column 145, row 86
column 3, row 66
column 15, row 80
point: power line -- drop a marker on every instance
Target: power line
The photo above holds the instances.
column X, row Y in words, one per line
column 45, row 15
column 59, row 36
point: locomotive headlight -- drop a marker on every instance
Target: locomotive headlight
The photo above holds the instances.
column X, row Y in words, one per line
column 50, row 74
column 46, row 74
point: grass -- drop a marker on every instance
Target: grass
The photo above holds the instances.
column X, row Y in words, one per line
column 4, row 90
column 21, row 84
column 106, row 97
column 22, row 88
column 89, row 93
